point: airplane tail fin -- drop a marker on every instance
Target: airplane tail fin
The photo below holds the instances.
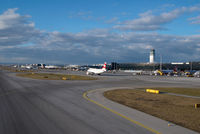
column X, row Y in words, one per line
column 175, row 69
column 104, row 66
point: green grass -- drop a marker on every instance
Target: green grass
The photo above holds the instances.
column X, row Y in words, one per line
column 50, row 76
column 177, row 90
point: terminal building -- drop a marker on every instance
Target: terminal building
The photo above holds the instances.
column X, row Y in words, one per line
column 155, row 66
column 152, row 65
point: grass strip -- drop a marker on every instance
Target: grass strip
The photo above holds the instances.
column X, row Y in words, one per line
column 179, row 110
column 178, row 90
column 11, row 69
column 50, row 76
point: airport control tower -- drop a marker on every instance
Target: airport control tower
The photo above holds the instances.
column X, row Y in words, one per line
column 152, row 56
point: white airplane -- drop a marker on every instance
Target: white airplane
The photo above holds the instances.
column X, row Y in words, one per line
column 51, row 67
column 29, row 67
column 92, row 71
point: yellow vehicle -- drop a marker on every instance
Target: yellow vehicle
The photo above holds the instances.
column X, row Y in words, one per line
column 158, row 72
column 189, row 74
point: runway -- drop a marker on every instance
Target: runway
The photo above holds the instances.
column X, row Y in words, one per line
column 31, row 106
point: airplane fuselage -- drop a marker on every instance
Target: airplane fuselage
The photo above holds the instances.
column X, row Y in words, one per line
column 95, row 71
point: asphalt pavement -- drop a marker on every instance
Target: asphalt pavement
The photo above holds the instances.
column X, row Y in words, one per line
column 30, row 106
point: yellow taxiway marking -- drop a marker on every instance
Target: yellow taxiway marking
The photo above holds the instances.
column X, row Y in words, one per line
column 121, row 115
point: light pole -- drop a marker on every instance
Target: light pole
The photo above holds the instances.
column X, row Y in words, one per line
column 160, row 62
column 191, row 66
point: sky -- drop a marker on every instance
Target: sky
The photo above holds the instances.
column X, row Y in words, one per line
column 95, row 31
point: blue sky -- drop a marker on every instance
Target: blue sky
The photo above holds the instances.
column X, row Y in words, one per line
column 93, row 31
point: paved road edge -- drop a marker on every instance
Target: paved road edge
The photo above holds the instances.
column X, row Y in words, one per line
column 119, row 114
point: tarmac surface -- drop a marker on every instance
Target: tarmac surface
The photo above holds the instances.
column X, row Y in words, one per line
column 30, row 106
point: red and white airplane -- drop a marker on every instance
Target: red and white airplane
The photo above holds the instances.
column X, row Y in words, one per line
column 92, row 71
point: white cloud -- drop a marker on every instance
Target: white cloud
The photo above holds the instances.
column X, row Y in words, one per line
column 19, row 38
column 112, row 20
column 85, row 15
column 195, row 20
column 105, row 45
column 149, row 22
column 8, row 18
column 89, row 47
column 16, row 29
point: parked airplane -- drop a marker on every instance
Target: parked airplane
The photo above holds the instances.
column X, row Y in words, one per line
column 92, row 71
column 26, row 66
column 29, row 67
column 197, row 74
column 51, row 67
